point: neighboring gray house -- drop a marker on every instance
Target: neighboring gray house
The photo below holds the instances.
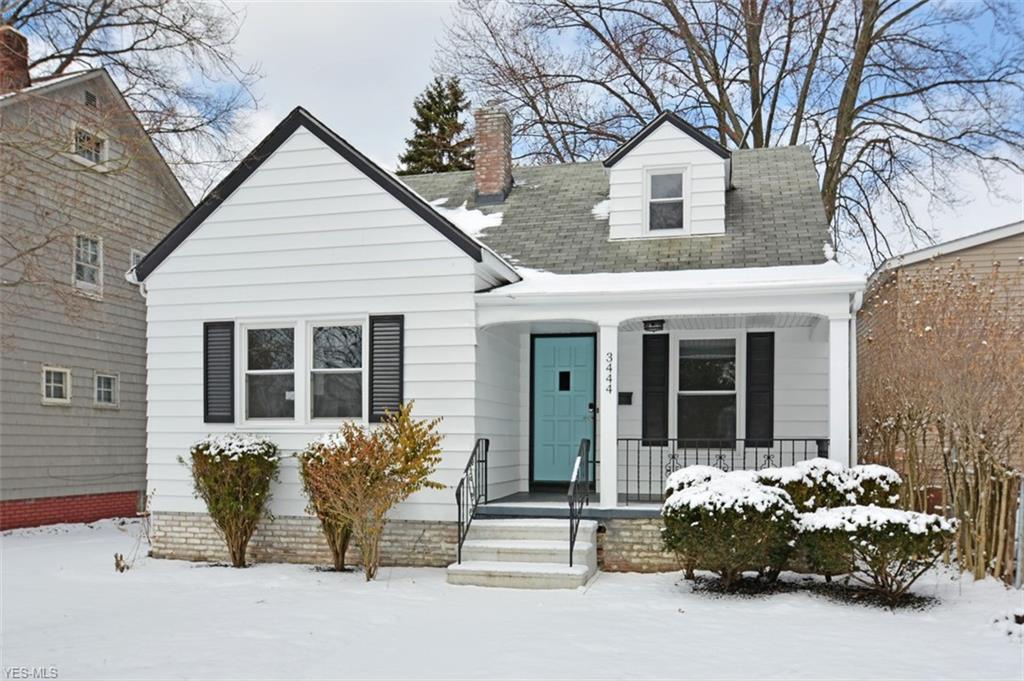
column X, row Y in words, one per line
column 84, row 195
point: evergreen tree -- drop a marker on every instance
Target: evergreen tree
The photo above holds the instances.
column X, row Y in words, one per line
column 440, row 142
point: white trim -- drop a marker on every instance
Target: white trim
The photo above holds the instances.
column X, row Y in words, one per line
column 684, row 171
column 954, row 245
column 116, row 390
column 362, row 369
column 92, row 290
column 67, row 385
column 242, row 417
column 99, row 166
column 132, row 253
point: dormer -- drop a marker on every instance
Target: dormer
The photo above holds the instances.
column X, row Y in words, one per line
column 669, row 180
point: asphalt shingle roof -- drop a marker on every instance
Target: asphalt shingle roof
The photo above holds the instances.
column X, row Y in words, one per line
column 773, row 216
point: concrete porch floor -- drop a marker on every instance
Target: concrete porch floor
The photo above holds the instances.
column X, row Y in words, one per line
column 544, row 504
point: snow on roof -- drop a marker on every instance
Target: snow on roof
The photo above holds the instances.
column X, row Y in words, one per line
column 471, row 221
column 602, row 209
column 537, row 282
column 45, row 84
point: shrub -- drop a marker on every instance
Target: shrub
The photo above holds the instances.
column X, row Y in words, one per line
column 815, row 483
column 871, row 484
column 730, row 524
column 690, row 476
column 366, row 472
column 887, row 549
column 338, row 533
column 232, row 474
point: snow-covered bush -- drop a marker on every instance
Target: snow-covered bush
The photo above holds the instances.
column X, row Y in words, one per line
column 232, row 474
column 729, row 524
column 811, row 484
column 886, row 548
column 872, row 484
column 361, row 473
column 690, row 476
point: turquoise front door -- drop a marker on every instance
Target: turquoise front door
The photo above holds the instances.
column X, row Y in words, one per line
column 563, row 401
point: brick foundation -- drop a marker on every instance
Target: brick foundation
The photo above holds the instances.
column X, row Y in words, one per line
column 299, row 539
column 633, row 545
column 79, row 508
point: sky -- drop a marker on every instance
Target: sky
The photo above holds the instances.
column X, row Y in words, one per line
column 358, row 65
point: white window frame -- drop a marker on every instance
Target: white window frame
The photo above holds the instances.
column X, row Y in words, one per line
column 104, row 147
column 739, row 336
column 243, row 364
column 303, row 353
column 135, row 256
column 67, row 384
column 649, row 173
column 361, row 323
column 116, row 390
column 85, row 286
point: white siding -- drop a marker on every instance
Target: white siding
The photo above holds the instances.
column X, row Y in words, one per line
column 498, row 407
column 704, row 178
column 307, row 237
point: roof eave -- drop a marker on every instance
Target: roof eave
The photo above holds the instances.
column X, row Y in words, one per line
column 666, row 117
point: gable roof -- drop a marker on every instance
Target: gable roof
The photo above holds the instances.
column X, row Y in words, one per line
column 953, row 245
column 773, row 216
column 79, row 77
column 675, row 120
column 299, row 117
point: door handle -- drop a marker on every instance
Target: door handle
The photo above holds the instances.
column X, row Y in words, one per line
column 592, row 407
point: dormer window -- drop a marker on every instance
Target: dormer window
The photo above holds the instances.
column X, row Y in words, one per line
column 665, row 202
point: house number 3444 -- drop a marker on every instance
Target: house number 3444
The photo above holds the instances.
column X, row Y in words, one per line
column 609, row 371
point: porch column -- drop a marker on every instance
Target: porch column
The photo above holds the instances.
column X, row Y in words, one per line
column 608, row 416
column 839, row 388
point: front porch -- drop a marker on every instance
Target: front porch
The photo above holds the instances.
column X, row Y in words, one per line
column 656, row 382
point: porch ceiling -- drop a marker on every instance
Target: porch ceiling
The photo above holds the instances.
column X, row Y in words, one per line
column 729, row 321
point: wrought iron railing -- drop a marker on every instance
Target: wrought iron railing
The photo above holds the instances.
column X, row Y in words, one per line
column 579, row 493
column 471, row 490
column 644, row 464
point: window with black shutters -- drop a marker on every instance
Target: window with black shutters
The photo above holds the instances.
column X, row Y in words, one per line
column 654, row 405
column 706, row 401
column 386, row 359
column 336, row 374
column 760, row 389
column 219, row 372
column 270, row 372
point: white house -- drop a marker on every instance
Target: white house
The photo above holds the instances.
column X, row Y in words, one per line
column 671, row 305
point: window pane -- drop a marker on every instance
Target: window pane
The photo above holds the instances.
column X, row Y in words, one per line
column 666, row 215
column 337, row 347
column 54, row 385
column 270, row 396
column 87, row 274
column 105, row 389
column 707, row 417
column 271, row 348
column 667, row 186
column 707, row 364
column 337, row 395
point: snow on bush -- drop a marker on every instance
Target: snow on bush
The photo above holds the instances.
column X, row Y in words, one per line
column 689, row 476
column 232, row 474
column 872, row 484
column 825, row 483
column 730, row 524
column 884, row 548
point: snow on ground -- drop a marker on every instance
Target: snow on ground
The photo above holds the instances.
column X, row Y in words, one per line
column 64, row 605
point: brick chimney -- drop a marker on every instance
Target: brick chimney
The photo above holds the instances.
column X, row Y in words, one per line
column 493, row 158
column 13, row 60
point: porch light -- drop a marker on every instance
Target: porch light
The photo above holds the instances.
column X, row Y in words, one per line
column 654, row 325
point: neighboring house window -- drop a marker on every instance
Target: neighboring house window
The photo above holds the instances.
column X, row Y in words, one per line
column 56, row 385
column 106, row 390
column 88, row 262
column 706, row 403
column 136, row 258
column 336, row 372
column 270, row 373
column 665, row 209
column 89, row 146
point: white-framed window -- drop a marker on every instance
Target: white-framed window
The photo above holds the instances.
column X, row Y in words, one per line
column 665, row 202
column 106, row 389
column 336, row 370
column 90, row 146
column 88, row 272
column 269, row 365
column 706, row 391
column 55, row 383
column 135, row 258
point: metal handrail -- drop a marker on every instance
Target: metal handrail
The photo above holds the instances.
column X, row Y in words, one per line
column 579, row 493
column 472, row 488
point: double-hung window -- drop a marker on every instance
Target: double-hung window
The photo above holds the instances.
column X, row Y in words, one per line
column 88, row 263
column 270, row 373
column 336, row 372
column 89, row 146
column 665, row 201
column 706, row 403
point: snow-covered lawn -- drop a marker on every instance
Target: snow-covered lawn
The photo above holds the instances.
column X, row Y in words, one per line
column 64, row 606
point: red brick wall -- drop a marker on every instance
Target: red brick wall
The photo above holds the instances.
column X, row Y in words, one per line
column 81, row 508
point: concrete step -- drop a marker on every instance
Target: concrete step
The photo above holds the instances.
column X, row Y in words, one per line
column 529, row 551
column 543, row 529
column 519, row 575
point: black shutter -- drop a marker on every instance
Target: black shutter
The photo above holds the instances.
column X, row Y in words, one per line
column 760, row 389
column 219, row 372
column 654, row 420
column 386, row 360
